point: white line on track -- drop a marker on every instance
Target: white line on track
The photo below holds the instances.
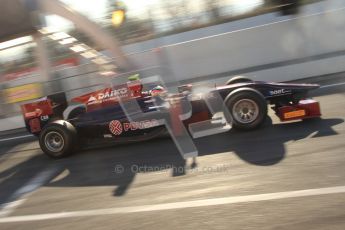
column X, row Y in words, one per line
column 14, row 138
column 177, row 205
column 21, row 194
column 332, row 85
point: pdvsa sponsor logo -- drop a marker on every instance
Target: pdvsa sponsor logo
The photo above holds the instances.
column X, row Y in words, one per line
column 279, row 92
column 140, row 125
column 111, row 94
column 117, row 128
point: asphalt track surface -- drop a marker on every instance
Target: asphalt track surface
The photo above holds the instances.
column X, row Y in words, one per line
column 282, row 176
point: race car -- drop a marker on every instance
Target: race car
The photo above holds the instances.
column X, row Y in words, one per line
column 136, row 112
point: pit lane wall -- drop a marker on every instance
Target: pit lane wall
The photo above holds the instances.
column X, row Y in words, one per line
column 286, row 50
column 294, row 48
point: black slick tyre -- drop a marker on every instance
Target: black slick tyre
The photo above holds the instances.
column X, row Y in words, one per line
column 247, row 109
column 58, row 139
column 238, row 79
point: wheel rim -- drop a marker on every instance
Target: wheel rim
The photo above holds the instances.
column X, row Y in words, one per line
column 245, row 111
column 54, row 142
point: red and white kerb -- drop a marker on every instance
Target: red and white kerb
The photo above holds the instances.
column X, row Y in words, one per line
column 115, row 127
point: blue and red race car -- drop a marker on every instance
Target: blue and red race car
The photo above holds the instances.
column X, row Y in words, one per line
column 134, row 111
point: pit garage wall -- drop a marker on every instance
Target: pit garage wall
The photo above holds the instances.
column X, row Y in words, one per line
column 297, row 48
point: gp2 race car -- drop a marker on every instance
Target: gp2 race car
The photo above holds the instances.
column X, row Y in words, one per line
column 63, row 127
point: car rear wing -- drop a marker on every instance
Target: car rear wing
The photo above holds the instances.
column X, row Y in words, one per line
column 40, row 112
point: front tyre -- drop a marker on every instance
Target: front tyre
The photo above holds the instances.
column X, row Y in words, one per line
column 58, row 139
column 238, row 79
column 247, row 107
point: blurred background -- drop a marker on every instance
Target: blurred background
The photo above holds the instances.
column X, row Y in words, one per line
column 197, row 40
column 285, row 175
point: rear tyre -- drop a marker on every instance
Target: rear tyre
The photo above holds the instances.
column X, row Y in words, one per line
column 238, row 79
column 247, row 108
column 58, row 139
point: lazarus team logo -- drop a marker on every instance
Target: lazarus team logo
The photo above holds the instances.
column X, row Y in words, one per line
column 115, row 127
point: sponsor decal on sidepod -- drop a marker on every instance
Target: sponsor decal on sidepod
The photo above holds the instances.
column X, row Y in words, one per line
column 117, row 128
column 101, row 97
